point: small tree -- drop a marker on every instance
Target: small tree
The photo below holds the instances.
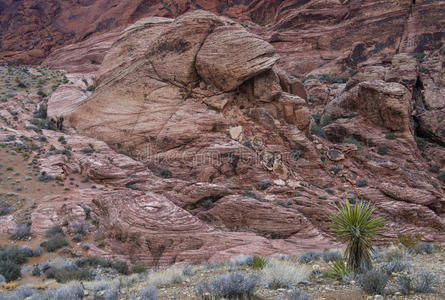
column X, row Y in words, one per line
column 356, row 226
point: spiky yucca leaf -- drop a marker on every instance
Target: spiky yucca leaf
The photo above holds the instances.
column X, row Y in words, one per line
column 355, row 225
column 338, row 269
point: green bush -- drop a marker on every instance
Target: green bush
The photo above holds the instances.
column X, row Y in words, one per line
column 352, row 72
column 441, row 176
column 164, row 173
column 259, row 262
column 121, row 267
column 91, row 88
column 54, row 243
column 10, row 270
column 353, row 141
column 41, row 93
column 373, row 282
column 92, row 261
column 382, row 150
column 420, row 57
column 63, row 275
column 332, row 79
column 391, row 136
column 434, row 169
column 36, row 271
column 421, row 143
column 318, row 131
column 61, row 139
column 54, row 230
column 21, row 232
column 317, row 118
column 138, row 269
column 15, row 255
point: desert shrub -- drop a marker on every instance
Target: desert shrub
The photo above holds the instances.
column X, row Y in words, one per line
column 26, row 251
column 164, row 173
column 91, row 88
column 36, row 271
column 77, row 237
column 395, row 253
column 419, row 56
column 317, row 118
column 121, row 266
column 250, row 194
column 259, row 262
column 356, row 226
column 149, row 293
column 78, row 227
column 69, row 292
column 405, row 284
column 24, row 292
column 5, row 211
column 332, row 79
column 93, row 261
column 377, row 255
column 296, row 294
column 41, row 93
column 434, row 169
column 424, row 281
column 362, row 183
column 41, row 113
column 14, row 255
column 423, row 248
column 138, row 269
column 229, row 286
column 37, row 251
column 69, row 265
column 166, row 277
column 335, row 169
column 373, row 282
column 242, row 260
column 10, row 270
column 420, row 283
column 21, row 232
column 295, row 153
column 188, row 271
column 62, row 139
column 396, row 265
column 409, row 242
column 54, row 230
column 54, row 243
column 421, row 143
column 441, row 176
column 310, row 256
column 263, row 185
column 65, row 275
column 353, row 141
column 110, row 295
column 352, row 72
column 318, row 131
column 390, row 136
column 332, row 255
column 102, row 285
column 382, row 150
column 281, row 274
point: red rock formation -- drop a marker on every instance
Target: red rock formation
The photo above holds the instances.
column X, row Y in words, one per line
column 306, row 33
column 201, row 99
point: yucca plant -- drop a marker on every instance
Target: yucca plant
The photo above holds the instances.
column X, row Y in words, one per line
column 356, row 226
column 338, row 270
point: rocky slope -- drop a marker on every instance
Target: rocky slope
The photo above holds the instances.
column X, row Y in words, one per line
column 202, row 146
column 323, row 32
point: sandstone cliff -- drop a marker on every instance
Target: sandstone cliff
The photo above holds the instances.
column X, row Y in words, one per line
column 213, row 138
